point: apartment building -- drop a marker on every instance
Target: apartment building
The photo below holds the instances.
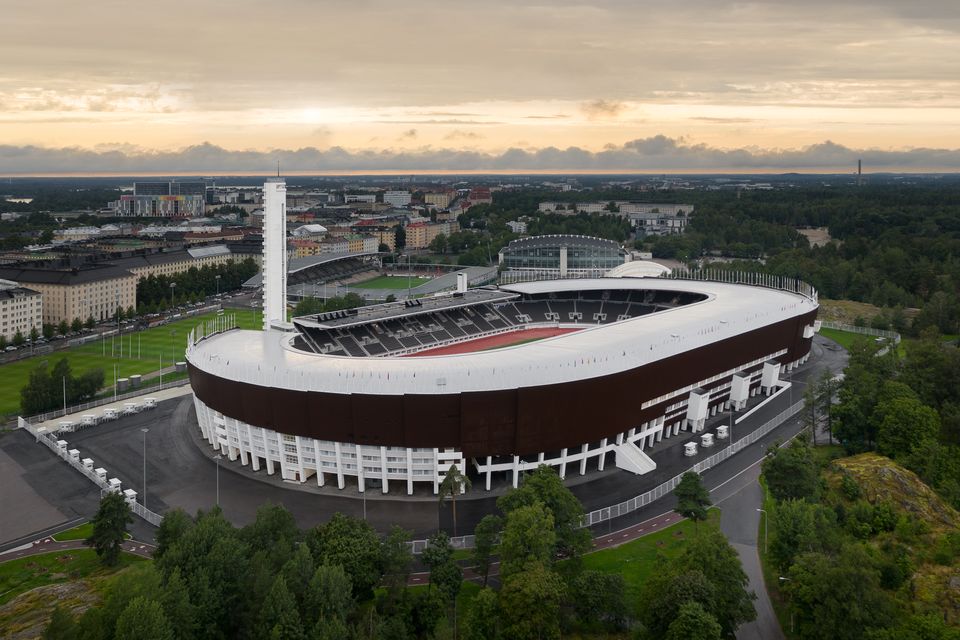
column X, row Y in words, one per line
column 21, row 310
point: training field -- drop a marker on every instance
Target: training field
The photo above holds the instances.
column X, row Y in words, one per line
column 499, row 341
column 390, row 282
column 141, row 353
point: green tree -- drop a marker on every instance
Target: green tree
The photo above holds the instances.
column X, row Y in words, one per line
column 143, row 620
column 279, row 619
column 692, row 497
column 329, row 595
column 454, row 483
column 48, row 331
column 110, row 527
column 352, row 544
column 791, row 472
column 34, row 334
column 485, row 538
column 76, row 325
column 18, row 339
column 90, row 323
column 530, row 603
column 543, row 485
column 667, row 590
column 172, row 528
column 528, row 537
column 439, row 243
column 904, row 425
column 178, row 608
column 396, row 558
column 3, row 342
column 599, row 598
column 483, row 618
column 693, row 623
column 62, row 626
column 63, row 328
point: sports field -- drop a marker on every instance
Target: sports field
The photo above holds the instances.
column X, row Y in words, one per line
column 141, row 354
column 499, row 341
column 391, row 282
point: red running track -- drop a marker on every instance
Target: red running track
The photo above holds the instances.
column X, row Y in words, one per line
column 492, row 342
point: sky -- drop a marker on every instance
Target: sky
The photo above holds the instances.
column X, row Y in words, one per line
column 499, row 85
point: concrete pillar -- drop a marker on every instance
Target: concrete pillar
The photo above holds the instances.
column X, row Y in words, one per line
column 563, row 463
column 603, row 453
column 516, row 471
column 409, row 471
column 583, row 460
column 361, row 480
column 383, row 469
column 339, row 453
column 489, row 471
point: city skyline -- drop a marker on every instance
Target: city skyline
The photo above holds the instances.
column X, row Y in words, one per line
column 371, row 86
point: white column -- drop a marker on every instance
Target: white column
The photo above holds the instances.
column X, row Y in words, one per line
column 436, row 471
column 316, row 456
column 563, row 463
column 516, row 471
column 409, row 471
column 583, row 460
column 383, row 469
column 489, row 472
column 361, row 480
column 336, row 448
column 603, row 453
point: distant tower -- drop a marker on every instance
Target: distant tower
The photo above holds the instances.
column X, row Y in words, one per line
column 859, row 172
column 274, row 253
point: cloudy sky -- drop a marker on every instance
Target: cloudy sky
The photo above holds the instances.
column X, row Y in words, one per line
column 219, row 85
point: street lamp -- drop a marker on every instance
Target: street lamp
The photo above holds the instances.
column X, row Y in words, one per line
column 144, row 430
column 766, row 528
column 217, row 278
column 173, row 288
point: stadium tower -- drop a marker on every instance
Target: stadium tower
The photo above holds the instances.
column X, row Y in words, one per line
column 274, row 253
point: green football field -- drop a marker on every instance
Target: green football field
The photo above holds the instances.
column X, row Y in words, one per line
column 390, row 282
column 141, row 354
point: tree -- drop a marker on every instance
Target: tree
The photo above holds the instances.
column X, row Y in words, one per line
column 62, row 626
column 90, row 323
column 692, row 497
column 530, row 601
column 454, row 483
column 791, row 472
column 143, row 620
column 439, row 243
column 396, row 557
column 34, row 334
column 174, row 525
column 110, row 527
column 63, row 328
column 400, row 237
column 76, row 325
column 3, row 342
column 354, row 545
column 180, row 611
column 18, row 339
column 905, row 423
column 599, row 598
column 693, row 623
column 666, row 590
column 328, row 595
column 279, row 619
column 483, row 618
column 485, row 537
column 528, row 537
column 47, row 330
column 543, row 485
column 837, row 597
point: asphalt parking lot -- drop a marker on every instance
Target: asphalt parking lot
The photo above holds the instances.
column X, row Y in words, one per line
column 181, row 472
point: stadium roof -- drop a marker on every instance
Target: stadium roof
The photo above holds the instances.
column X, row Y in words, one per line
column 299, row 264
column 564, row 240
column 268, row 359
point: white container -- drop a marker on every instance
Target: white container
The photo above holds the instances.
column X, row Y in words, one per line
column 114, row 484
column 690, row 449
column 706, row 440
column 62, row 445
column 130, row 495
column 88, row 420
column 723, row 432
column 130, row 407
column 65, row 425
column 87, row 463
column 74, row 454
column 110, row 413
column 101, row 473
column 149, row 403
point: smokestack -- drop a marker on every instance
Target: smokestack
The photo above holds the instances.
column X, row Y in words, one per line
column 274, row 252
column 859, row 172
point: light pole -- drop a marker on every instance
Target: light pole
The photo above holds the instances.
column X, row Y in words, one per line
column 218, row 457
column 115, row 383
column 173, row 288
column 217, row 278
column 144, row 430
column 765, row 529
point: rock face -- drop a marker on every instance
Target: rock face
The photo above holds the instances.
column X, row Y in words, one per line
column 26, row 616
column 883, row 480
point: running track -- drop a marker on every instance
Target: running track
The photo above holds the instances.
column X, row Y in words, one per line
column 492, row 342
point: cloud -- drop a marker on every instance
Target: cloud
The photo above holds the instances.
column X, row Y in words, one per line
column 459, row 134
column 597, row 109
column 655, row 154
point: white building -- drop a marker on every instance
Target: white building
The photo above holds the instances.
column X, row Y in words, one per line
column 517, row 226
column 397, row 198
column 21, row 310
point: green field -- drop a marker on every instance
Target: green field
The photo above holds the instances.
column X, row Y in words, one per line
column 24, row 574
column 141, row 354
column 636, row 560
column 80, row 532
column 390, row 282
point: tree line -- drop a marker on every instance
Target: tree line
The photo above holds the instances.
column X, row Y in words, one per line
column 48, row 389
column 157, row 292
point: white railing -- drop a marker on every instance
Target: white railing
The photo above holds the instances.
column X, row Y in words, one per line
column 51, row 443
column 866, row 331
column 783, row 283
column 615, row 511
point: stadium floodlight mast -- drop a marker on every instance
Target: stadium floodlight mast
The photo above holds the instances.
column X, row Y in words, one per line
column 144, row 430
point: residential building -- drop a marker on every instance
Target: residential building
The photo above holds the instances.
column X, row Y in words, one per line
column 421, row 234
column 357, row 243
column 21, row 310
column 315, row 231
column 303, row 247
column 163, row 199
column 75, row 234
column 438, row 199
column 71, row 292
column 480, row 195
column 332, row 245
column 517, row 226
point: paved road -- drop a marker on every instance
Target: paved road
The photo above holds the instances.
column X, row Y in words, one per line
column 49, row 545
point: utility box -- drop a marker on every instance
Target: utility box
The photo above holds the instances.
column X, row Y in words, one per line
column 114, row 484
column 87, row 463
column 62, row 445
column 130, row 495
column 690, row 449
column 149, row 403
column 101, row 473
column 723, row 432
column 74, row 454
column 706, row 440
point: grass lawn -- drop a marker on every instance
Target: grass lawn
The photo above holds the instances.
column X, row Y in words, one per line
column 80, row 532
column 844, row 338
column 636, row 560
column 170, row 340
column 24, row 574
column 390, row 282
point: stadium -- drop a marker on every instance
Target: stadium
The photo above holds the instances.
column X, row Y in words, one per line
column 573, row 373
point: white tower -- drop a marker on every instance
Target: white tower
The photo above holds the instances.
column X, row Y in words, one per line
column 274, row 253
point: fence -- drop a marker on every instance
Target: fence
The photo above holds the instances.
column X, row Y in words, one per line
column 139, row 391
column 615, row 511
column 866, row 331
column 91, row 475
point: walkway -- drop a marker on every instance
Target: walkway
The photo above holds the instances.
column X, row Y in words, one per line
column 49, row 545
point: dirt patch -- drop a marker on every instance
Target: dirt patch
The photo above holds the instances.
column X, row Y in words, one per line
column 816, row 237
column 26, row 616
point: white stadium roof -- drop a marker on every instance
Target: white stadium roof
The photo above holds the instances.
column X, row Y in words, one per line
column 638, row 269
column 267, row 359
